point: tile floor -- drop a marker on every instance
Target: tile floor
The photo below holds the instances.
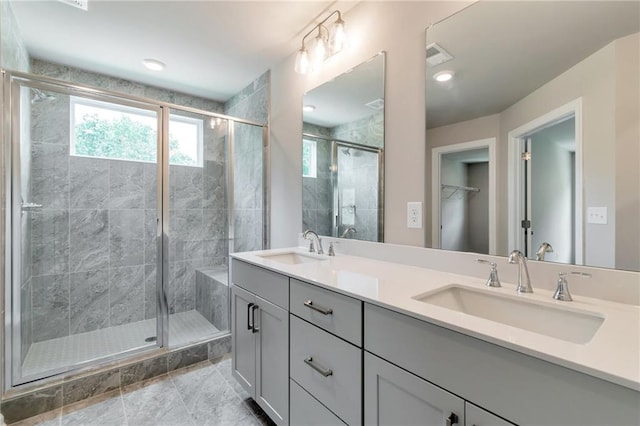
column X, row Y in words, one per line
column 201, row 394
column 53, row 355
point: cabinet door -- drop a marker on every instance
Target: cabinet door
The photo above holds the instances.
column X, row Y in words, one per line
column 395, row 397
column 272, row 357
column 243, row 340
column 476, row 416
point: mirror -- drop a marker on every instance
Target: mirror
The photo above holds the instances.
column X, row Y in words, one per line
column 544, row 98
column 343, row 154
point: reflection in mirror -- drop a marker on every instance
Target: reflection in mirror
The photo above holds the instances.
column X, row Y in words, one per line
column 343, row 154
column 561, row 102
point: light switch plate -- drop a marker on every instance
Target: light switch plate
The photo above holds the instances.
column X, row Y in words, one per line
column 597, row 215
column 414, row 214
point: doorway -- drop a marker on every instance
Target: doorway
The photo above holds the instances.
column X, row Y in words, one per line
column 545, row 186
column 463, row 196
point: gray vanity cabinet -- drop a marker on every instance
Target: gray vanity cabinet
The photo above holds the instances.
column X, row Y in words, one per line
column 476, row 416
column 260, row 331
column 393, row 396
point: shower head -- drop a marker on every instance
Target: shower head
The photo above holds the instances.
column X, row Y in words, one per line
column 40, row 96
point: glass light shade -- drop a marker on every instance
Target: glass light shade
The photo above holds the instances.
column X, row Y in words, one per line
column 319, row 50
column 338, row 39
column 303, row 63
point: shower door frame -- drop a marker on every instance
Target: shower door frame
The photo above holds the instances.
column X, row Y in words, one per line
column 13, row 82
column 10, row 157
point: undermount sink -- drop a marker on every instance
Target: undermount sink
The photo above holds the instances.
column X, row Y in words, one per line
column 552, row 321
column 290, row 258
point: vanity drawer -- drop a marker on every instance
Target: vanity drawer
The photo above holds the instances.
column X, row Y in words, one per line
column 307, row 411
column 332, row 372
column 262, row 282
column 331, row 311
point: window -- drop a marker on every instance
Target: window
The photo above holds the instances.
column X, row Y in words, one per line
column 309, row 158
column 107, row 130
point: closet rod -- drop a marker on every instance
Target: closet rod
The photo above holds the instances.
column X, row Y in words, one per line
column 463, row 188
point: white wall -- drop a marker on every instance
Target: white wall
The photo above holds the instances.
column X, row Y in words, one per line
column 466, row 131
column 399, row 29
column 453, row 218
column 478, row 207
column 627, row 153
column 552, row 192
column 608, row 83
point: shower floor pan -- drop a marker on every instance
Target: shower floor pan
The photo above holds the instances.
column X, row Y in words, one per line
column 56, row 354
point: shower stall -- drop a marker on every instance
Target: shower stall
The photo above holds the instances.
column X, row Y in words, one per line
column 343, row 189
column 120, row 215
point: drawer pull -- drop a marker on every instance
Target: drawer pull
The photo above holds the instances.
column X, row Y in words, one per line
column 452, row 420
column 254, row 329
column 323, row 311
column 249, row 321
column 310, row 363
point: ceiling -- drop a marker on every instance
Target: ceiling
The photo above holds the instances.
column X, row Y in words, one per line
column 343, row 99
column 212, row 49
column 505, row 50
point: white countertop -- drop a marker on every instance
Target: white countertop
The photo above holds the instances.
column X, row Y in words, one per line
column 613, row 354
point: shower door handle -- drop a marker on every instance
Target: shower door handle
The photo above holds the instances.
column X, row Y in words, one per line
column 27, row 207
column 249, row 316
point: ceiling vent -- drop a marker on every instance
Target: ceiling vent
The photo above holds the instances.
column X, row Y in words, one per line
column 80, row 4
column 436, row 55
column 377, row 104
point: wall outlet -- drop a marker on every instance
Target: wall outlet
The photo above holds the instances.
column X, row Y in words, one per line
column 597, row 215
column 414, row 214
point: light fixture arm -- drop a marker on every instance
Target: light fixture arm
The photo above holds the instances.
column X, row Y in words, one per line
column 320, row 25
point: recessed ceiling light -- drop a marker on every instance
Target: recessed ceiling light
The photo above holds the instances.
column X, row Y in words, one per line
column 308, row 108
column 443, row 76
column 153, row 64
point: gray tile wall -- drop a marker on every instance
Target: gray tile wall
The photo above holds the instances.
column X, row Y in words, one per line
column 251, row 103
column 359, row 173
column 14, row 56
column 317, row 193
column 13, row 53
column 93, row 243
column 367, row 131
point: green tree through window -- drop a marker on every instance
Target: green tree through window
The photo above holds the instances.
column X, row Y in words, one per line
column 123, row 138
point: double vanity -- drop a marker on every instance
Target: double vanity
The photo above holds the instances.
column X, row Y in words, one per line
column 353, row 340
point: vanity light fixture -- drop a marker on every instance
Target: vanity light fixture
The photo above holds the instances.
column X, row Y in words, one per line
column 153, row 64
column 443, row 76
column 308, row 108
column 327, row 43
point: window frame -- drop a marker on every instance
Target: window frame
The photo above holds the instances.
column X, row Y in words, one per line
column 116, row 107
column 313, row 161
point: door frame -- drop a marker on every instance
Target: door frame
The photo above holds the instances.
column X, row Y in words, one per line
column 436, row 182
column 516, row 138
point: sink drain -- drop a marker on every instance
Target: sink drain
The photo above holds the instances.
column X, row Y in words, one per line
column 151, row 339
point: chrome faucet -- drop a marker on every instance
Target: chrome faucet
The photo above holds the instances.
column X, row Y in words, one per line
column 308, row 235
column 516, row 256
column 542, row 250
column 349, row 230
column 562, row 291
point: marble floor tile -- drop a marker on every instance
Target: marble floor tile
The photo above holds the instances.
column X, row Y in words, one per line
column 197, row 395
column 209, row 398
column 105, row 410
column 155, row 402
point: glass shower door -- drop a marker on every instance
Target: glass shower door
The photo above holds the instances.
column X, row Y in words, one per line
column 357, row 187
column 84, row 228
column 197, row 217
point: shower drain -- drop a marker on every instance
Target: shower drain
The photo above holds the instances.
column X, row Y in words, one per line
column 151, row 339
